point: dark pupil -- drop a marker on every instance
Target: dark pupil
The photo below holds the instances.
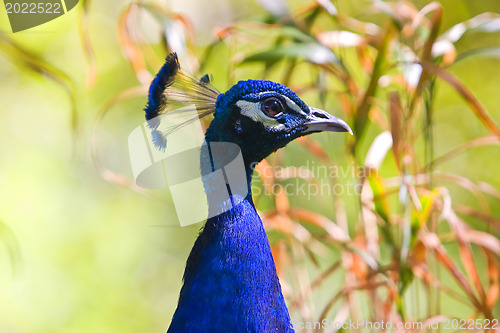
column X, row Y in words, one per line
column 273, row 107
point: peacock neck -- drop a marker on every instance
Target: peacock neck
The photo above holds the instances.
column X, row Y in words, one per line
column 230, row 281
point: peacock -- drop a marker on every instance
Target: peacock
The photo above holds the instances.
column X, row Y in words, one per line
column 230, row 282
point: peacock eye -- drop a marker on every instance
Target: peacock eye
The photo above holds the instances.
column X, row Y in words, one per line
column 272, row 107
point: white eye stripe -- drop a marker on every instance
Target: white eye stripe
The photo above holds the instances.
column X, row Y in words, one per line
column 291, row 104
column 252, row 110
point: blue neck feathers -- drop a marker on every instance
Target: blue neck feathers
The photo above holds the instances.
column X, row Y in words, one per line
column 230, row 281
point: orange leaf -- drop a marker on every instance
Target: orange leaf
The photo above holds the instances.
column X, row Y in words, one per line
column 321, row 221
column 315, row 148
column 462, row 232
column 397, row 134
column 432, row 241
column 131, row 49
column 265, row 172
column 469, row 97
column 494, row 277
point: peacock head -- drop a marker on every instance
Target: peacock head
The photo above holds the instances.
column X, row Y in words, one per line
column 263, row 116
column 258, row 116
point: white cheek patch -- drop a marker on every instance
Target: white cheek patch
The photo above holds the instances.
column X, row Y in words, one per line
column 252, row 111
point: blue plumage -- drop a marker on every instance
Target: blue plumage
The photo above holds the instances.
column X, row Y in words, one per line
column 250, row 90
column 156, row 98
column 163, row 79
column 230, row 281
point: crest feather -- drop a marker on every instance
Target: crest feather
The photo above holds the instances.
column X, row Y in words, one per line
column 172, row 89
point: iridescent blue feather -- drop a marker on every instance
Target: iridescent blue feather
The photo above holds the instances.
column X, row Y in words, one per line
column 171, row 89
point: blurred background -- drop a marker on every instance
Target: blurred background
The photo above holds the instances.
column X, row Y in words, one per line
column 400, row 222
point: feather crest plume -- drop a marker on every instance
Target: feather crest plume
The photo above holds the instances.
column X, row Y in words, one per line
column 172, row 89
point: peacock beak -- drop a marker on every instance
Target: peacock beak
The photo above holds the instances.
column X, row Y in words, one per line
column 319, row 121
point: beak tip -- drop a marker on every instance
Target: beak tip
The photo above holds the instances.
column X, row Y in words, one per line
column 345, row 126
